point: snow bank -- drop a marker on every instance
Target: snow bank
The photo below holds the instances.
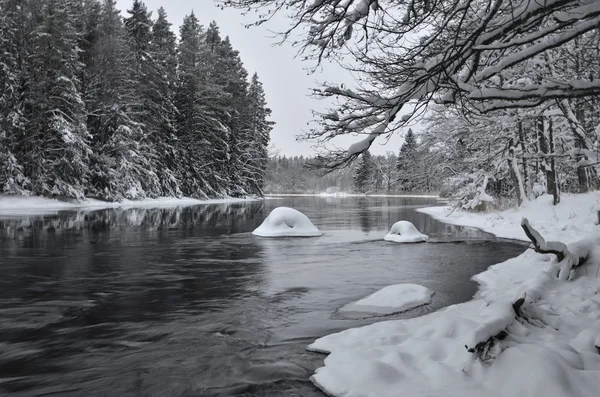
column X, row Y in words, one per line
column 405, row 232
column 568, row 221
column 21, row 205
column 287, row 222
column 391, row 299
column 547, row 346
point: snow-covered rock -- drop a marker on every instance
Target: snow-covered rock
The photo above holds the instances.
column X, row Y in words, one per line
column 405, row 232
column 287, row 222
column 391, row 299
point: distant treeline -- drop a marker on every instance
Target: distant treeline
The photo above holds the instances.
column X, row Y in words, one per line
column 407, row 172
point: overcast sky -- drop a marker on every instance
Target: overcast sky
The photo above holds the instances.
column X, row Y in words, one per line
column 287, row 84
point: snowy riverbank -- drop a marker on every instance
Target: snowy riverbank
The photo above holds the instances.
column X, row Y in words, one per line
column 573, row 217
column 20, row 205
column 549, row 348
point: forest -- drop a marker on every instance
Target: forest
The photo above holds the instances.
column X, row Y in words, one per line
column 95, row 104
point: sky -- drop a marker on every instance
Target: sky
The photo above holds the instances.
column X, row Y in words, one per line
column 286, row 81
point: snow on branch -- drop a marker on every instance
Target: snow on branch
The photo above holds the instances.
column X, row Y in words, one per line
column 448, row 52
column 568, row 259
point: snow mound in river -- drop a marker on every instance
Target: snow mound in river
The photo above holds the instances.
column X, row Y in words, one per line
column 287, row 222
column 391, row 299
column 405, row 232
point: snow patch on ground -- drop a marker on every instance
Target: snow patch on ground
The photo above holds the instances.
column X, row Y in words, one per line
column 287, row 222
column 550, row 349
column 21, row 205
column 391, row 299
column 405, row 232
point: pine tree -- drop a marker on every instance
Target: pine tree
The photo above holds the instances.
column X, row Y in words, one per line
column 12, row 178
column 193, row 146
column 408, row 163
column 254, row 147
column 233, row 78
column 92, row 104
column 216, row 102
column 363, row 175
column 56, row 155
column 163, row 52
column 121, row 166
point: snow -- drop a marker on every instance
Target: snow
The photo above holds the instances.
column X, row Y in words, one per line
column 391, row 299
column 22, row 205
column 287, row 222
column 405, row 232
column 361, row 146
column 546, row 346
column 568, row 221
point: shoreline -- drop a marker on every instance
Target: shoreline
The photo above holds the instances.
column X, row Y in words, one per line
column 38, row 205
column 549, row 346
column 343, row 195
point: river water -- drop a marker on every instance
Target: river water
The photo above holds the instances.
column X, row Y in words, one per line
column 187, row 302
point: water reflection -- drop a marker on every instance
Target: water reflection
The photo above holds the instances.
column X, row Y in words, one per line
column 223, row 217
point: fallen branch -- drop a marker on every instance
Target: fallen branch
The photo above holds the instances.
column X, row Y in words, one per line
column 539, row 243
column 568, row 260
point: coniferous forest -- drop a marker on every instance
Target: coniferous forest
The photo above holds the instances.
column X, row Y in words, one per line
column 98, row 104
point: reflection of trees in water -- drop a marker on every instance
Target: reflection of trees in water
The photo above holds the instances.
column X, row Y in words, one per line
column 223, row 216
column 364, row 215
column 65, row 297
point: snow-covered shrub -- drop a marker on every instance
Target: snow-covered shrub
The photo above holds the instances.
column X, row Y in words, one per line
column 470, row 192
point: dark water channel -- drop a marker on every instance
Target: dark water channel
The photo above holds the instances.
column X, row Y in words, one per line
column 187, row 302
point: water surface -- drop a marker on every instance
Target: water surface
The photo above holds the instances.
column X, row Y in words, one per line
column 187, row 302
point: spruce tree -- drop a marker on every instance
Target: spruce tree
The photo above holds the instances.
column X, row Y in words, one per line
column 216, row 106
column 193, row 145
column 233, row 78
column 12, row 178
column 363, row 175
column 163, row 51
column 92, row 104
column 122, row 154
column 56, row 155
column 254, row 149
column 408, row 163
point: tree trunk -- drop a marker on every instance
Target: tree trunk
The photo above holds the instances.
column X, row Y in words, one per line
column 547, row 147
column 514, row 172
column 526, row 177
column 551, row 174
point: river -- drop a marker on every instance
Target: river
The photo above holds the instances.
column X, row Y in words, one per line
column 187, row 302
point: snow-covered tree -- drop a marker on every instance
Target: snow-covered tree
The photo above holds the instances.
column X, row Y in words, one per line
column 194, row 149
column 12, row 177
column 408, row 163
column 55, row 156
column 163, row 112
column 91, row 104
column 254, row 145
column 364, row 173
column 415, row 52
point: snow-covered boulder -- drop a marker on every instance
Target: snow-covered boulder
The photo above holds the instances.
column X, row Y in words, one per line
column 391, row 299
column 287, row 222
column 405, row 232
